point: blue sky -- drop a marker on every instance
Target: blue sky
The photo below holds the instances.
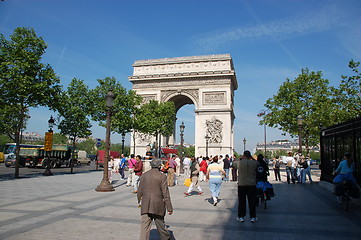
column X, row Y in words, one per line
column 269, row 41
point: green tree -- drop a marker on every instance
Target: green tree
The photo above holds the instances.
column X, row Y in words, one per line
column 309, row 96
column 347, row 97
column 125, row 105
column 4, row 140
column 73, row 112
column 25, row 82
column 156, row 119
column 190, row 151
column 59, row 138
column 87, row 145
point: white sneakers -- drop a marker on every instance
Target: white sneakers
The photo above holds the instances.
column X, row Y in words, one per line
column 241, row 219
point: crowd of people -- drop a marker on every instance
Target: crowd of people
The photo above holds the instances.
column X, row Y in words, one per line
column 152, row 186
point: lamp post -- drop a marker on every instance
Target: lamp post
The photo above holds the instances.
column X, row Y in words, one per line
column 48, row 146
column 181, row 128
column 123, row 139
column 299, row 123
column 105, row 185
column 207, row 137
column 51, row 123
column 262, row 113
column 244, row 144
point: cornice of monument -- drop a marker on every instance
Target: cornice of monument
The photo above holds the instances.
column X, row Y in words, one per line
column 211, row 66
column 201, row 58
column 182, row 75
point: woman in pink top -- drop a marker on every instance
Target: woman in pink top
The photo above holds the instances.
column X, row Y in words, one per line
column 131, row 163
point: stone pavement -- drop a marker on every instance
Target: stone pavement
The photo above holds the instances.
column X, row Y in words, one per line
column 67, row 207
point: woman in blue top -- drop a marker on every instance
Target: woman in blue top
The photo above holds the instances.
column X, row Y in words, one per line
column 345, row 170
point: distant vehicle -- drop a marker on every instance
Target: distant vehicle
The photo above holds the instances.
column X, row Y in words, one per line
column 26, row 155
column 101, row 156
column 82, row 158
column 59, row 155
column 10, row 148
column 167, row 153
column 2, row 157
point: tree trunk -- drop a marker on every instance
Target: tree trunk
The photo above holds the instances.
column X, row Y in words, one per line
column 17, row 141
column 72, row 156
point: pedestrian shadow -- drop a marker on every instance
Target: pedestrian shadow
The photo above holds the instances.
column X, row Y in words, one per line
column 117, row 183
column 211, row 201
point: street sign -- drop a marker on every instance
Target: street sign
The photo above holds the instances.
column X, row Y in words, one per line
column 48, row 146
column 98, row 142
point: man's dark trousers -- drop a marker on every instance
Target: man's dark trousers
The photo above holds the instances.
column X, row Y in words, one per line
column 251, row 193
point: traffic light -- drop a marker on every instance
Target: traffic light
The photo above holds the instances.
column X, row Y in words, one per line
column 48, row 146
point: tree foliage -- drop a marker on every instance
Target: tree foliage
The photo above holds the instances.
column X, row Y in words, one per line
column 74, row 111
column 124, row 107
column 87, row 145
column 156, row 118
column 59, row 138
column 25, row 82
column 320, row 105
column 347, row 97
column 309, row 96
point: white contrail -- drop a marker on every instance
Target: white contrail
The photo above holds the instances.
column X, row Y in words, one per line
column 303, row 24
column 62, row 54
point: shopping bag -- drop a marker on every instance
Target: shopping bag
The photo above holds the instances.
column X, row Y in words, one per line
column 187, row 182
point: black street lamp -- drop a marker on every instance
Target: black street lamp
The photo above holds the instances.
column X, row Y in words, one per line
column 51, row 124
column 299, row 123
column 244, row 144
column 207, row 137
column 123, row 139
column 262, row 113
column 182, row 127
column 105, row 185
column 48, row 146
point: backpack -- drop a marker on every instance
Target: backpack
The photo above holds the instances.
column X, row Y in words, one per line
column 166, row 167
column 278, row 164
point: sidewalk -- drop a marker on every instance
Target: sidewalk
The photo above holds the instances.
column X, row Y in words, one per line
column 68, row 207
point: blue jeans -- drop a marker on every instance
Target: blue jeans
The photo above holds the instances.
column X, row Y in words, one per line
column 215, row 186
column 307, row 172
column 226, row 178
column 121, row 172
column 290, row 174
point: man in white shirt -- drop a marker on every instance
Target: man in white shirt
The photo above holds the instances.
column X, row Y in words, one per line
column 186, row 165
column 290, row 166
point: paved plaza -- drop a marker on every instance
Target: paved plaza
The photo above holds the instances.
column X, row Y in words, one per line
column 66, row 206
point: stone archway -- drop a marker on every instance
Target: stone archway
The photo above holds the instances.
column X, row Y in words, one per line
column 208, row 82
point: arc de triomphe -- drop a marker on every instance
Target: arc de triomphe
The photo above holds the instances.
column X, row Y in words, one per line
column 208, row 82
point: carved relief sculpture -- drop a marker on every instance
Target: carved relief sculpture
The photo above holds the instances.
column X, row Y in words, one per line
column 142, row 137
column 147, row 98
column 214, row 129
